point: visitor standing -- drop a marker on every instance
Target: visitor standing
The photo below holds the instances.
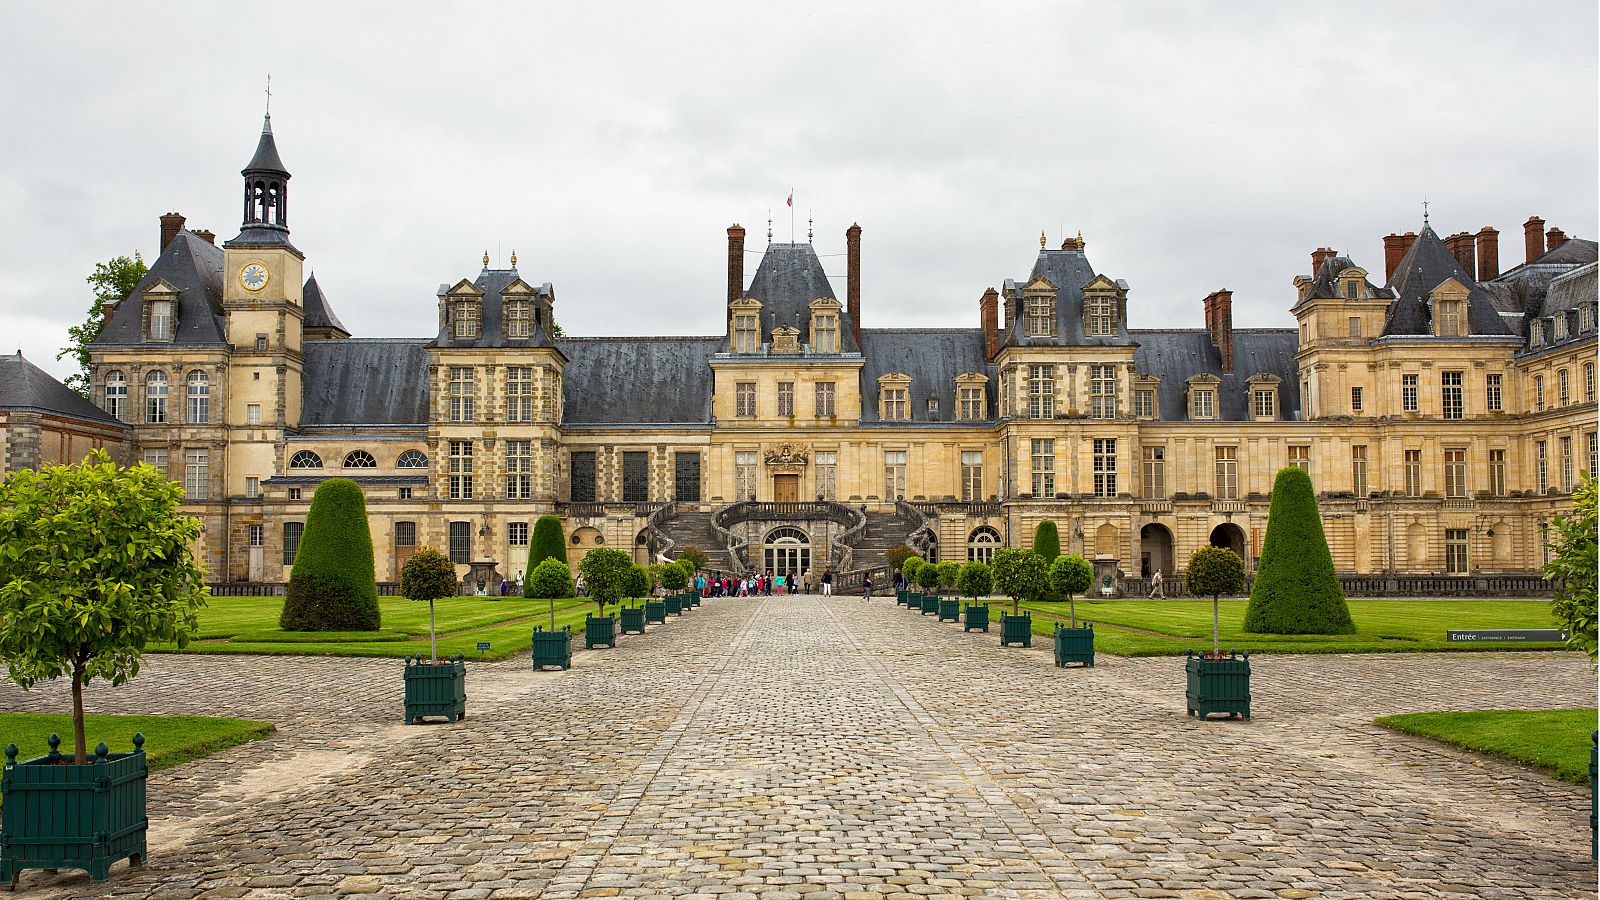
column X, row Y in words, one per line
column 1156, row 592
column 827, row 582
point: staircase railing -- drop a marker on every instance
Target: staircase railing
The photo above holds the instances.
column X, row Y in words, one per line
column 842, row 554
column 655, row 538
column 923, row 536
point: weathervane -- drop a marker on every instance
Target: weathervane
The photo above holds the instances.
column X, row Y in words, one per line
column 769, row 226
column 808, row 226
column 1424, row 212
column 269, row 93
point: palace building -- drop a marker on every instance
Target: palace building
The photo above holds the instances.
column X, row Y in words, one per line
column 1443, row 408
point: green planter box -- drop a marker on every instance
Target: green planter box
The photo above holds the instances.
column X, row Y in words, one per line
column 552, row 648
column 1594, row 795
column 599, row 631
column 65, row 816
column 976, row 618
column 673, row 605
column 930, row 604
column 655, row 612
column 1218, row 685
column 691, row 600
column 632, row 619
column 949, row 610
column 901, row 598
column 1016, row 630
column 1075, row 645
column 436, row 689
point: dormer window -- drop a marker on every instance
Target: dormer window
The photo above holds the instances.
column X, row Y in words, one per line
column 161, row 320
column 971, row 398
column 519, row 318
column 1450, row 309
column 1263, row 397
column 933, row 407
column 825, row 326
column 894, row 397
column 1040, row 314
column 1144, row 396
column 1586, row 317
column 746, row 326
column 1536, row 333
column 1561, row 326
column 1352, row 290
column 466, row 321
column 1203, row 396
column 1100, row 315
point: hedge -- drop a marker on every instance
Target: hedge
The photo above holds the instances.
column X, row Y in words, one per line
column 333, row 585
column 548, row 543
column 1296, row 590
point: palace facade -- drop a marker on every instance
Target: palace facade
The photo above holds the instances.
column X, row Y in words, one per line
column 1442, row 406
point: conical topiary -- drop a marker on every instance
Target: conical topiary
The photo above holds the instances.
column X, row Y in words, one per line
column 1296, row 590
column 333, row 585
column 1047, row 541
column 548, row 543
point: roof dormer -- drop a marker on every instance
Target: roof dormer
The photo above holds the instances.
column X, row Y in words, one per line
column 1448, row 302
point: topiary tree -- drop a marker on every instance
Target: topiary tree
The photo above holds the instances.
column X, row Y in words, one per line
column 95, row 565
column 949, row 571
column 1047, row 541
column 428, row 575
column 909, row 567
column 1071, row 575
column 1571, row 569
column 1296, row 590
column 638, row 582
column 696, row 558
column 549, row 542
column 1018, row 574
column 689, row 568
column 1215, row 571
column 928, row 576
column 673, row 577
column 333, row 585
column 550, row 580
column 607, row 573
column 895, row 557
column 975, row 580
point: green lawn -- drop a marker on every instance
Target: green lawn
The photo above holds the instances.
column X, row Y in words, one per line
column 250, row 625
column 1555, row 741
column 168, row 740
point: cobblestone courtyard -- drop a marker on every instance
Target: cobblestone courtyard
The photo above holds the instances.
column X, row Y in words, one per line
column 800, row 747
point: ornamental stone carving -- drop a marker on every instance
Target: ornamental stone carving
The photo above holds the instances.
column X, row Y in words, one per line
column 787, row 458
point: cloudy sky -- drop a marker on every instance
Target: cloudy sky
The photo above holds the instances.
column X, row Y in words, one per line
column 1197, row 146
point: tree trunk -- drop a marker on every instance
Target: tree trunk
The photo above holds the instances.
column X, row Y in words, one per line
column 1072, row 612
column 1216, row 638
column 433, row 636
column 552, row 614
column 80, row 751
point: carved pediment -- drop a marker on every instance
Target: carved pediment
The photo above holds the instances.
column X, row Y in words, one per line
column 787, row 457
column 1040, row 285
column 785, row 339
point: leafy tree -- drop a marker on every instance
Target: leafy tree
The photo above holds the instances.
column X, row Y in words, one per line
column 909, row 567
column 673, row 577
column 928, row 576
column 1571, row 569
column 895, row 557
column 1020, row 573
column 548, row 543
column 695, row 557
column 333, row 585
column 550, row 580
column 949, row 571
column 1296, row 590
column 607, row 573
column 1047, row 541
column 1215, row 571
column 975, row 580
column 689, row 569
column 95, row 565
column 1071, row 575
column 428, row 575
column 637, row 583
column 112, row 281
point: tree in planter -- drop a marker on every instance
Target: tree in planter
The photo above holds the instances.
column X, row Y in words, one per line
column 909, row 567
column 607, row 573
column 689, row 568
column 1296, row 590
column 697, row 559
column 333, row 585
column 1215, row 571
column 895, row 558
column 674, row 578
column 95, row 565
column 1071, row 575
column 1018, row 574
column 975, row 580
column 548, row 543
column 949, row 573
column 1571, row 569
column 638, row 582
column 928, row 577
column 428, row 575
column 550, row 580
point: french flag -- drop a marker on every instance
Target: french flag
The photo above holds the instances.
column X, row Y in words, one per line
column 790, row 201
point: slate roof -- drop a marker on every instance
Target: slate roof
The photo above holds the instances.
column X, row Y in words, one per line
column 638, row 380
column 365, row 381
column 1569, row 291
column 1325, row 281
column 1424, row 267
column 318, row 313
column 194, row 267
column 25, row 386
column 789, row 278
column 492, row 282
column 266, row 158
column 933, row 357
column 1069, row 271
column 1178, row 355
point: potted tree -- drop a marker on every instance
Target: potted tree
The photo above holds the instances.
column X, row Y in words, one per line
column 928, row 580
column 949, row 606
column 975, row 582
column 1216, row 683
column 1071, row 575
column 1018, row 574
column 691, row 596
column 432, row 689
column 909, row 595
column 895, row 558
column 673, row 578
column 550, row 580
column 605, row 572
column 95, row 565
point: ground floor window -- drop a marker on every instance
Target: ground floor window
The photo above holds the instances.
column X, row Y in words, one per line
column 1455, row 551
column 787, row 552
column 981, row 544
column 291, row 540
column 460, row 543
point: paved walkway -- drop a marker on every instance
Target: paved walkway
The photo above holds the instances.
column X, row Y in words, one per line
column 796, row 747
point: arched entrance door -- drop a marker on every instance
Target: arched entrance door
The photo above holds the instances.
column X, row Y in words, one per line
column 1229, row 536
column 1155, row 550
column 786, row 551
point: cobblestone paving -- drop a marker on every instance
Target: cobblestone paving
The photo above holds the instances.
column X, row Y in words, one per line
column 801, row 748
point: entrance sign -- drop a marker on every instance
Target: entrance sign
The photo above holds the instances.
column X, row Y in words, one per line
column 1508, row 635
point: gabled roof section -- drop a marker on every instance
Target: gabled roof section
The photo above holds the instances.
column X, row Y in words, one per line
column 638, row 380
column 932, row 357
column 318, row 312
column 26, row 387
column 789, row 278
column 1069, row 272
column 1571, row 290
column 371, row 381
column 491, row 283
column 194, row 267
column 1326, row 281
column 1424, row 267
column 1177, row 355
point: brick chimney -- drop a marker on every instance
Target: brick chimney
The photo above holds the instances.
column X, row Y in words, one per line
column 989, row 314
column 1488, row 253
column 1554, row 238
column 205, row 235
column 1219, row 322
column 1394, row 250
column 852, row 281
column 1318, row 255
column 735, row 261
column 1532, row 238
column 1460, row 246
column 171, row 224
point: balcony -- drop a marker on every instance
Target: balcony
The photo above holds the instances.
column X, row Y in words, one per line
column 1459, row 503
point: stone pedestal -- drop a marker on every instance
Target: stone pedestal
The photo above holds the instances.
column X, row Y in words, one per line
column 1105, row 568
column 483, row 579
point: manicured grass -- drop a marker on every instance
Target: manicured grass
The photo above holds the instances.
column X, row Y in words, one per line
column 168, row 740
column 1555, row 741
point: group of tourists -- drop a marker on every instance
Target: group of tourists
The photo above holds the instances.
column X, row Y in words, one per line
column 763, row 584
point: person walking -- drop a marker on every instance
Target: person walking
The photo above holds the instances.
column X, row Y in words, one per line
column 866, row 585
column 827, row 582
column 1156, row 591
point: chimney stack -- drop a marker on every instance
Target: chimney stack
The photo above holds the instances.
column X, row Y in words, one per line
column 1318, row 255
column 171, row 224
column 1488, row 254
column 205, row 235
column 1532, row 238
column 1554, row 238
column 852, row 283
column 1219, row 322
column 1394, row 249
column 1460, row 246
column 989, row 314
column 735, row 261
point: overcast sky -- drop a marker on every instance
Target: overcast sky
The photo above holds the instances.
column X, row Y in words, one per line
column 1197, row 145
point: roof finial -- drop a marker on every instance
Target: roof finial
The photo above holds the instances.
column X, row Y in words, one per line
column 266, row 123
column 769, row 226
column 1425, row 213
column 486, row 258
column 513, row 259
column 1041, row 238
column 809, row 221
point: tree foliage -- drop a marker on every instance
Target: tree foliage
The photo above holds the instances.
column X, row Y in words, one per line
column 112, row 281
column 1572, row 570
column 673, row 577
column 1047, row 541
column 697, row 558
column 1019, row 574
column 927, row 576
column 895, row 557
column 548, row 542
column 975, row 580
column 1296, row 590
column 909, row 567
column 637, row 582
column 95, row 565
column 1215, row 571
column 1071, row 575
column 335, row 549
column 607, row 573
column 428, row 575
column 949, row 571
column 550, row 580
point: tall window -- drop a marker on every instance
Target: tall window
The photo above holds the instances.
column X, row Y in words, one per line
column 1585, row 317
column 117, row 394
column 1450, row 318
column 1560, row 323
column 1042, row 392
column 1105, row 467
column 156, row 458
column 971, row 475
column 1355, row 399
column 827, row 462
column 519, row 394
column 252, row 486
column 1102, row 392
column 1538, row 393
column 1101, row 312
column 516, row 533
column 1265, row 408
column 1355, row 321
column 1358, row 470
column 1566, row 462
column 1408, row 393
column 291, row 540
column 161, row 320
column 744, row 475
column 1563, row 397
column 1455, row 473
column 1535, row 333
column 461, row 543
column 1455, row 551
column 981, row 544
column 583, row 482
column 463, row 394
column 1541, row 467
column 1492, row 393
column 686, row 476
column 1204, row 402
column 1413, row 460
column 519, row 470
column 252, row 414
column 1497, row 473
column 824, row 333
column 1154, row 472
column 199, row 399
column 1588, row 382
column 519, row 319
column 969, row 403
column 746, row 333
column 1227, row 473
column 896, row 407
column 467, row 318
column 1300, row 456
column 256, row 535
column 155, row 398
column 196, row 474
column 1044, row 467
column 1144, row 404
column 1041, row 315
column 635, row 476
column 824, row 391
column 744, row 399
column 1594, row 452
column 894, row 474
column 460, row 470
column 786, row 398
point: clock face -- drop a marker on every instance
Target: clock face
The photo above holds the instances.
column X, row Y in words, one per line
column 253, row 276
